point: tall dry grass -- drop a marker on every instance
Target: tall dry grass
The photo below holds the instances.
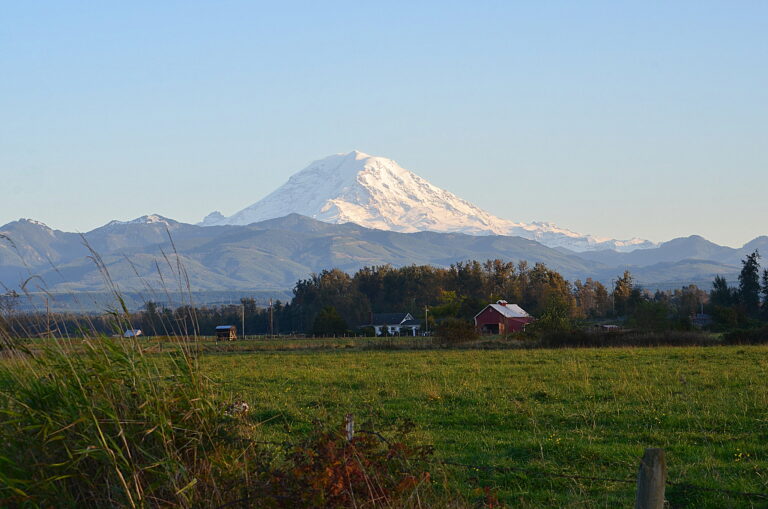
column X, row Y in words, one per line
column 108, row 426
column 98, row 421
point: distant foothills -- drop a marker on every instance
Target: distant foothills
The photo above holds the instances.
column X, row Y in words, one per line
column 155, row 256
column 345, row 211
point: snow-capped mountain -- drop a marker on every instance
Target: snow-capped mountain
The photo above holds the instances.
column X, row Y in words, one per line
column 376, row 192
column 149, row 219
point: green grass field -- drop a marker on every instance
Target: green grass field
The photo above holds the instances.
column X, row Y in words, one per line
column 588, row 412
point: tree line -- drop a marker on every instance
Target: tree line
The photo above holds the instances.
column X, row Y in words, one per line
column 744, row 305
column 335, row 302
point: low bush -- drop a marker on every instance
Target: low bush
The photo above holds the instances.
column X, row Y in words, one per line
column 747, row 336
column 327, row 470
column 454, row 330
column 580, row 338
column 368, row 331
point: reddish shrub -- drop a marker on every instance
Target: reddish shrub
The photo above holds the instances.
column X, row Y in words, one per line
column 329, row 471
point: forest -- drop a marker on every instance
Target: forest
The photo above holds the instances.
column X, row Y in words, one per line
column 333, row 302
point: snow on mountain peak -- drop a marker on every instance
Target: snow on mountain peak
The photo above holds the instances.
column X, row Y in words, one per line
column 35, row 222
column 376, row 192
column 149, row 219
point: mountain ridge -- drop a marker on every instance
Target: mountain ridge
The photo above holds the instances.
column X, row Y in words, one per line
column 376, row 192
column 272, row 255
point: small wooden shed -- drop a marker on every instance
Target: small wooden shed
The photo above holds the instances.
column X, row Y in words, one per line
column 226, row 333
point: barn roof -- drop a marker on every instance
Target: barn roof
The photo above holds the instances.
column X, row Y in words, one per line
column 224, row 327
column 511, row 310
column 508, row 310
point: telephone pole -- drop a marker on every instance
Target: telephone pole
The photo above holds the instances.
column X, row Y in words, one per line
column 271, row 320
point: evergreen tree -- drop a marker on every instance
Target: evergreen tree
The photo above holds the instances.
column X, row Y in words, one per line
column 721, row 295
column 152, row 323
column 328, row 322
column 764, row 291
column 749, row 284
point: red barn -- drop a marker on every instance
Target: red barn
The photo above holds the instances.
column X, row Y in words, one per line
column 502, row 318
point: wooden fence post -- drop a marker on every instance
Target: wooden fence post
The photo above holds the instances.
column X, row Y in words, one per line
column 349, row 427
column 651, row 479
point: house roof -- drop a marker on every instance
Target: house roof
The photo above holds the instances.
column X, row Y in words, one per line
column 411, row 323
column 390, row 318
column 508, row 310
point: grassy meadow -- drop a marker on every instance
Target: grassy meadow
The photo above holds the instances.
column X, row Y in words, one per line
column 141, row 423
column 585, row 412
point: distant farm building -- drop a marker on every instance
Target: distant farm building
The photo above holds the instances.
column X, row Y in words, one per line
column 502, row 318
column 226, row 333
column 395, row 324
column 702, row 320
column 607, row 327
column 132, row 333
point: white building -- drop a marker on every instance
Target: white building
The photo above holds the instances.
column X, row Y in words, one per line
column 398, row 324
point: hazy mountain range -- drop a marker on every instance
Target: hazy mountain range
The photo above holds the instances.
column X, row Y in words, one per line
column 366, row 211
column 272, row 255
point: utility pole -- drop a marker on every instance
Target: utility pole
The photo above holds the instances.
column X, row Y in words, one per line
column 243, row 318
column 271, row 320
column 426, row 319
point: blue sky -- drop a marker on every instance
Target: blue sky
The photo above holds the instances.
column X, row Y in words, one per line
column 613, row 118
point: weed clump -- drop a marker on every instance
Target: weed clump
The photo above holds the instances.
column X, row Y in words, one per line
column 104, row 424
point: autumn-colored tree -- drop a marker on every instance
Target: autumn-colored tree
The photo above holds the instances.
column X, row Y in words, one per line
column 592, row 299
column 623, row 290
